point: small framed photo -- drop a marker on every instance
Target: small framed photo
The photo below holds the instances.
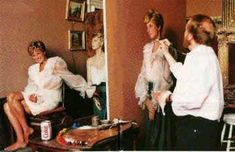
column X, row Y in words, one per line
column 75, row 10
column 93, row 5
column 76, row 40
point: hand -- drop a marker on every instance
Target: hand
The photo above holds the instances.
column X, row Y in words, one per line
column 150, row 108
column 18, row 96
column 33, row 98
column 164, row 46
column 96, row 94
column 156, row 95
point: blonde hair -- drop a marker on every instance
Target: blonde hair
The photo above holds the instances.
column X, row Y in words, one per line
column 36, row 45
column 155, row 17
column 101, row 36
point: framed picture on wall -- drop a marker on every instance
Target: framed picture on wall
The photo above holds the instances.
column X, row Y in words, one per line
column 75, row 10
column 93, row 5
column 76, row 40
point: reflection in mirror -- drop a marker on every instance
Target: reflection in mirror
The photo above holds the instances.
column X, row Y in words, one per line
column 96, row 63
column 96, row 75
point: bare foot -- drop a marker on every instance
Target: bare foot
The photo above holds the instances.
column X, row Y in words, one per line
column 15, row 146
column 27, row 133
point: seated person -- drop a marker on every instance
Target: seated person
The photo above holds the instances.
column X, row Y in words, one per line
column 96, row 75
column 42, row 93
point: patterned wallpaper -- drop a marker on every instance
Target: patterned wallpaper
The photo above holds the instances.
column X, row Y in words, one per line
column 25, row 20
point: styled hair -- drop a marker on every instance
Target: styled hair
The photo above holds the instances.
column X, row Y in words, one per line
column 36, row 45
column 202, row 28
column 101, row 36
column 155, row 17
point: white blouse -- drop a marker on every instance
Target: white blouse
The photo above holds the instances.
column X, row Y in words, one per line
column 199, row 88
column 46, row 84
column 154, row 69
column 95, row 74
column 98, row 75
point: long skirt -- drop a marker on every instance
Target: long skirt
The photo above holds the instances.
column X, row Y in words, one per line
column 159, row 133
column 99, row 105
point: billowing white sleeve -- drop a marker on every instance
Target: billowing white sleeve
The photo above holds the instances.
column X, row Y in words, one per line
column 141, row 87
column 75, row 82
column 31, row 86
column 194, row 81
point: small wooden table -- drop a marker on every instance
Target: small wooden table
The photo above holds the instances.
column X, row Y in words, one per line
column 115, row 138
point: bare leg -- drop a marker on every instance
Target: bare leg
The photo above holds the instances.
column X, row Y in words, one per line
column 17, row 108
column 18, row 130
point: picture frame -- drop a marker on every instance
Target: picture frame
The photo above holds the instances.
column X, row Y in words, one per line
column 76, row 40
column 93, row 5
column 75, row 10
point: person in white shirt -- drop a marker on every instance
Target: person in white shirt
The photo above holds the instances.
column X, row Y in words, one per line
column 155, row 75
column 42, row 93
column 96, row 76
column 197, row 99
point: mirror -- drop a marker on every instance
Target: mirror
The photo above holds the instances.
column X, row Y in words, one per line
column 96, row 63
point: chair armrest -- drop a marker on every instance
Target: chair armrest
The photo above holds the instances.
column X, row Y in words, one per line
column 56, row 110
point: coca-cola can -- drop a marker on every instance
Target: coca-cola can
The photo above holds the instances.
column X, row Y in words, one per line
column 46, row 131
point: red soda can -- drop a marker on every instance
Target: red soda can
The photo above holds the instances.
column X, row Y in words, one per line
column 46, row 131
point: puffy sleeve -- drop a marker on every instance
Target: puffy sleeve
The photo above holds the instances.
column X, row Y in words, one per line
column 31, row 86
column 75, row 82
column 168, row 81
column 141, row 87
column 89, row 81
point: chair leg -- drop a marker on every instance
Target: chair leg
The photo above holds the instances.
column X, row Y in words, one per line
column 222, row 134
column 229, row 136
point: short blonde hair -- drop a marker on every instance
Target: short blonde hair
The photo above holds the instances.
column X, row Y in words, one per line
column 36, row 45
column 155, row 17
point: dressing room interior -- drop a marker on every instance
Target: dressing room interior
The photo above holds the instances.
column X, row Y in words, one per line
column 97, row 105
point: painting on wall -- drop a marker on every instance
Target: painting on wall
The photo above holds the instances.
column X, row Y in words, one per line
column 93, row 5
column 76, row 40
column 75, row 10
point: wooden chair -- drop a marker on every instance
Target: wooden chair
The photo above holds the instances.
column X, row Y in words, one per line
column 58, row 117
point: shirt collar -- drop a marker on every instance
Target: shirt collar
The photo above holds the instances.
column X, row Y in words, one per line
column 194, row 48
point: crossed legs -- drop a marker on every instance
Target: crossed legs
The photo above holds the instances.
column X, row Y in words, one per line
column 15, row 109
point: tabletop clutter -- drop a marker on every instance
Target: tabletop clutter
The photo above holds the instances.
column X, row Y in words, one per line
column 88, row 135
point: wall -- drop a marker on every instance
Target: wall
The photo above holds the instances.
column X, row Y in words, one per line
column 209, row 7
column 23, row 21
column 126, row 36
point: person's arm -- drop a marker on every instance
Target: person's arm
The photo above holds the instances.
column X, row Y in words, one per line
column 88, row 67
column 195, row 83
column 175, row 67
column 31, row 87
column 165, row 50
column 141, row 86
column 76, row 82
